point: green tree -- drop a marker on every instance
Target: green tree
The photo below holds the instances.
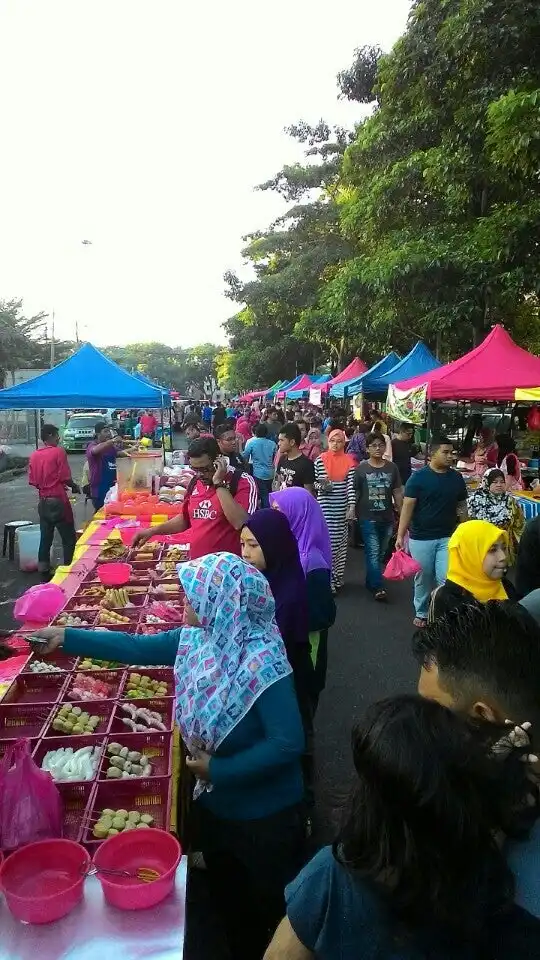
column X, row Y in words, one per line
column 443, row 207
column 21, row 338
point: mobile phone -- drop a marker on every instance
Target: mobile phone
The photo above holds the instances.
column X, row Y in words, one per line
column 38, row 642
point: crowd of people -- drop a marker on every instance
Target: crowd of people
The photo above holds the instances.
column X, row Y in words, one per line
column 436, row 853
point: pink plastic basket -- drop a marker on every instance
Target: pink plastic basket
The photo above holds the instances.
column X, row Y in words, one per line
column 165, row 707
column 156, row 849
column 157, row 747
column 76, row 798
column 99, row 708
column 23, row 720
column 6, row 744
column 114, row 574
column 152, row 795
column 36, row 688
column 113, row 678
column 44, row 881
column 45, row 745
column 56, row 660
column 160, row 674
column 87, row 616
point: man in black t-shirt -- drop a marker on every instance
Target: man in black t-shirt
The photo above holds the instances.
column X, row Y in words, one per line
column 402, row 450
column 293, row 469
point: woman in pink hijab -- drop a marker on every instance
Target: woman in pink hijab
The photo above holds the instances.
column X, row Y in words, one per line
column 243, row 427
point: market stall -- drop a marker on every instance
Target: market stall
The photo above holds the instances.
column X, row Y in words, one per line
column 105, row 731
column 352, row 371
column 359, row 385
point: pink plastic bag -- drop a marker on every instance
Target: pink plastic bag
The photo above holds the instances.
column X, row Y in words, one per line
column 400, row 566
column 40, row 603
column 30, row 804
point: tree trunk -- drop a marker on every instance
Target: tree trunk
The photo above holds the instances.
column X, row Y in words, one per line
column 438, row 342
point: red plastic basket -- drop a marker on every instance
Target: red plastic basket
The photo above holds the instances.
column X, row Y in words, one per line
column 57, row 660
column 132, row 617
column 156, row 746
column 36, row 688
column 163, row 706
column 23, row 720
column 157, row 673
column 152, row 795
column 44, row 746
column 99, row 708
column 88, row 616
column 5, row 744
column 113, row 678
column 76, row 798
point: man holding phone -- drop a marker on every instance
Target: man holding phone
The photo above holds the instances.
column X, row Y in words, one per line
column 217, row 504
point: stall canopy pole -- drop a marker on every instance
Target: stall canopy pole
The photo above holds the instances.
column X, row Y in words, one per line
column 428, row 429
column 162, row 429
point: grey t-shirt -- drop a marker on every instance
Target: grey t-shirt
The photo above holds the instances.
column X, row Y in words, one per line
column 374, row 486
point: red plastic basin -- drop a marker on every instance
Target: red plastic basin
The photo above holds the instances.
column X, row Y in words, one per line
column 114, row 574
column 43, row 881
column 151, row 848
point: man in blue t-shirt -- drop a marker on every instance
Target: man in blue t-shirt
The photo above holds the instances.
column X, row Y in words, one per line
column 435, row 502
column 260, row 451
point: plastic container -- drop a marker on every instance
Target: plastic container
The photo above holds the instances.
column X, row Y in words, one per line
column 99, row 708
column 159, row 674
column 156, row 747
column 44, row 881
column 164, row 706
column 6, row 744
column 113, row 678
column 152, row 795
column 54, row 660
column 154, row 849
column 135, row 471
column 23, row 720
column 27, row 540
column 45, row 746
column 114, row 574
column 36, row 688
column 76, row 799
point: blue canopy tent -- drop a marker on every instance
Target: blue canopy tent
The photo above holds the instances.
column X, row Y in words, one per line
column 362, row 384
column 304, row 392
column 287, row 385
column 88, row 379
column 419, row 360
column 151, row 383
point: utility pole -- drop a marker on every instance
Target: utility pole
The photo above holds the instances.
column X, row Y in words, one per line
column 52, row 341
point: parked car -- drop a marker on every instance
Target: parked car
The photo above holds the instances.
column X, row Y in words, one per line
column 80, row 430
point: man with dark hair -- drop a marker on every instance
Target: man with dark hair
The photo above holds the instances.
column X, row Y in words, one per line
column 216, row 506
column 261, row 450
column 226, row 437
column 219, row 415
column 484, row 661
column 274, row 423
column 293, row 468
column 528, row 558
column 50, row 473
column 402, row 450
column 101, row 454
column 435, row 502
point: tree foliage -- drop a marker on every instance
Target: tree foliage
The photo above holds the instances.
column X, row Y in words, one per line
column 423, row 223
column 22, row 339
column 172, row 367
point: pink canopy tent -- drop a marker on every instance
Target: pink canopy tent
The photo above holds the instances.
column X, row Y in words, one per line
column 254, row 395
column 355, row 369
column 491, row 371
column 304, row 383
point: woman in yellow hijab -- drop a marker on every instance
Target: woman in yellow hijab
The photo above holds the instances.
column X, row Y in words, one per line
column 477, row 565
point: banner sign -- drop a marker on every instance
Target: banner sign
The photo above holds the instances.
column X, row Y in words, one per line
column 358, row 406
column 315, row 397
column 407, row 405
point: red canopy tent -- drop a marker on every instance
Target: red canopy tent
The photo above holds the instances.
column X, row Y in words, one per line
column 491, row 371
column 355, row 369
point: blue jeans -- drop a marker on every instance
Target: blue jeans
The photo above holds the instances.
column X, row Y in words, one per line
column 265, row 489
column 432, row 555
column 376, row 535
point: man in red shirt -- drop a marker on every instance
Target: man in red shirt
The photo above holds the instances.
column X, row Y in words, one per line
column 148, row 424
column 50, row 472
column 217, row 504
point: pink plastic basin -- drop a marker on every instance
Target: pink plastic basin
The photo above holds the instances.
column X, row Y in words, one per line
column 114, row 574
column 43, row 881
column 151, row 848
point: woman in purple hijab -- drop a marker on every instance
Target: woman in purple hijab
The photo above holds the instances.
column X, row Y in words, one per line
column 308, row 525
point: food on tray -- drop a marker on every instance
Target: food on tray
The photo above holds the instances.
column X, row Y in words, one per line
column 177, row 552
column 87, row 687
column 126, row 764
column 141, row 686
column 111, row 617
column 87, row 663
column 172, row 589
column 72, row 720
column 67, row 765
column 112, row 822
column 93, row 592
column 141, row 720
column 83, row 606
column 164, row 613
column 112, row 550
column 116, row 597
column 41, row 666
column 71, row 620
column 166, row 566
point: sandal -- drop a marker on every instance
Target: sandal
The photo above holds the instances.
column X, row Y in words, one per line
column 380, row 595
column 419, row 623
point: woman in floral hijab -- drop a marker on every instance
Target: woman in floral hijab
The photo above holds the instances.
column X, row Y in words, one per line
column 491, row 502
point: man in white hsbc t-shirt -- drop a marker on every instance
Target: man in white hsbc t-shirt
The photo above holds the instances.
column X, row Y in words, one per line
column 217, row 504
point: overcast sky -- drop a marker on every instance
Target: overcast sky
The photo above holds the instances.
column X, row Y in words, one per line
column 143, row 127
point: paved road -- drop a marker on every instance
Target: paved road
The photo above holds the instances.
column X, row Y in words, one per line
column 369, row 658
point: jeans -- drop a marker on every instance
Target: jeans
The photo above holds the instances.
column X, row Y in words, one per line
column 376, row 536
column 53, row 515
column 432, row 555
column 265, row 489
